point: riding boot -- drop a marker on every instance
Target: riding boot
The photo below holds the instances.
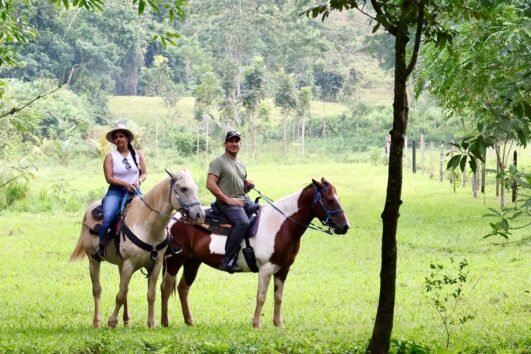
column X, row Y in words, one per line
column 100, row 252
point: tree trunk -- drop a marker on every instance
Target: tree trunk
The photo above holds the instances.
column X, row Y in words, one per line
column 383, row 324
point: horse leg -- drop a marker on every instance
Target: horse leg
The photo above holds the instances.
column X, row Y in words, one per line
column 94, row 269
column 167, row 285
column 187, row 279
column 264, row 277
column 280, row 279
column 152, row 292
column 125, row 316
column 121, row 296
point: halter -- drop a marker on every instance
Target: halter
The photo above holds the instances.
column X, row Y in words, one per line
column 316, row 198
column 184, row 206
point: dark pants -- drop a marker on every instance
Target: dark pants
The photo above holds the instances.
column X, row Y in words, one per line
column 240, row 223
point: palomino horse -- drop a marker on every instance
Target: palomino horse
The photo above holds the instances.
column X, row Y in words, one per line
column 275, row 245
column 146, row 218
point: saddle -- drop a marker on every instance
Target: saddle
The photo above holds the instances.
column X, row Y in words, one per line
column 216, row 222
column 94, row 218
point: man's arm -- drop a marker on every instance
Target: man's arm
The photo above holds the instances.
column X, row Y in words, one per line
column 212, row 186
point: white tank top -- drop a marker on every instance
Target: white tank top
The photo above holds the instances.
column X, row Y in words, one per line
column 124, row 168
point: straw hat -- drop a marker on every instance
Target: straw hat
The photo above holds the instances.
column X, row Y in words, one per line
column 122, row 128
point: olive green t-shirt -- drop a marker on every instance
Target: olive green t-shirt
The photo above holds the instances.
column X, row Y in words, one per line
column 231, row 175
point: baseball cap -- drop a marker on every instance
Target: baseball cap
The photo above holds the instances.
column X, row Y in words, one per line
column 232, row 134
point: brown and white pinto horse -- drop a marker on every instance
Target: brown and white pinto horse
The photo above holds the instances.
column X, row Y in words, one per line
column 146, row 217
column 275, row 245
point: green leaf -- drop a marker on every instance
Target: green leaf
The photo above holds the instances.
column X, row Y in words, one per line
column 473, row 165
column 453, row 163
column 463, row 163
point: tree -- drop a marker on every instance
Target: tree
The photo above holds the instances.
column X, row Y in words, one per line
column 402, row 19
column 17, row 30
column 206, row 94
column 286, row 99
column 304, row 99
column 485, row 77
column 253, row 93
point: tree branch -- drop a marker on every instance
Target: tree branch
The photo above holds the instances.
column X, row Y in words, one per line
column 66, row 81
column 418, row 36
column 381, row 17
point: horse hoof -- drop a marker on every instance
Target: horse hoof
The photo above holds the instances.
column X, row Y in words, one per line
column 164, row 324
column 189, row 322
column 112, row 323
column 96, row 324
column 151, row 324
column 256, row 325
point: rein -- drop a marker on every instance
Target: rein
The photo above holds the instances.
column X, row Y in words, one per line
column 185, row 206
column 316, row 198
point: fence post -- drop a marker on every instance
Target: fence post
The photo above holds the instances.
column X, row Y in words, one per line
column 497, row 148
column 515, row 186
column 422, row 148
column 452, row 177
column 405, row 151
column 414, row 156
column 431, row 159
column 475, row 181
column 441, row 160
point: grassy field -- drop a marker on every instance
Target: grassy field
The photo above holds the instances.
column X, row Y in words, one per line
column 331, row 293
column 145, row 109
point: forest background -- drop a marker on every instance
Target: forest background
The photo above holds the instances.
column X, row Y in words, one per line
column 300, row 90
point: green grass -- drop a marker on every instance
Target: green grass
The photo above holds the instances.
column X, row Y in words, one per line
column 331, row 292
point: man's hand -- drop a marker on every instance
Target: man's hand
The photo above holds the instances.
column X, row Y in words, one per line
column 235, row 202
column 248, row 185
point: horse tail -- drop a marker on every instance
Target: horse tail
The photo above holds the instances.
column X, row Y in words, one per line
column 79, row 251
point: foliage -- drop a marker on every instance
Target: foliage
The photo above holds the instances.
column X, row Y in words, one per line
column 19, row 30
column 485, row 75
column 520, row 214
column 444, row 289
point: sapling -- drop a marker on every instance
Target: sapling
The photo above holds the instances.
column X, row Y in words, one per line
column 444, row 290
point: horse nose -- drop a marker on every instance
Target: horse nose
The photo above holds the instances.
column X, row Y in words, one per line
column 345, row 229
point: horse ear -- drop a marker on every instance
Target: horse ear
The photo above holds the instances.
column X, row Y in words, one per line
column 315, row 183
column 169, row 173
column 323, row 180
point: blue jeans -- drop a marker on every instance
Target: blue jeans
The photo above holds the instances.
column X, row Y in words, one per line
column 112, row 204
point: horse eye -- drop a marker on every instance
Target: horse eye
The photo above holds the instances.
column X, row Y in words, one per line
column 184, row 189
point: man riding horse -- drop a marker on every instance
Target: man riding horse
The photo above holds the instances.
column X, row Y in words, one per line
column 227, row 180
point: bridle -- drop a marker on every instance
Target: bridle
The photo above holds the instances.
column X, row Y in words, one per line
column 328, row 220
column 184, row 205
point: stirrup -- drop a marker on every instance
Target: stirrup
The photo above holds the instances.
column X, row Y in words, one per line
column 98, row 254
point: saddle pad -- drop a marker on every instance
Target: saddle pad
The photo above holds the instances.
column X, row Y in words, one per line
column 89, row 220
